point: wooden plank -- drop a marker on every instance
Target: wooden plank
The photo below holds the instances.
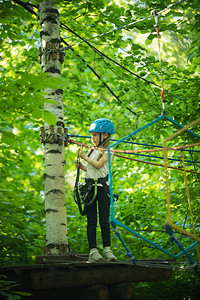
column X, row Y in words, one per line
column 80, row 274
column 40, row 259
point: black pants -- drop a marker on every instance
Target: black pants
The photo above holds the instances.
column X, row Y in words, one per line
column 103, row 200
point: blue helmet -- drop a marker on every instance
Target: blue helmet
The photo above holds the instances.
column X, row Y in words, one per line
column 102, row 125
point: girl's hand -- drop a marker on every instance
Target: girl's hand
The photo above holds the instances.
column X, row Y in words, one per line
column 78, row 165
column 82, row 154
column 81, row 166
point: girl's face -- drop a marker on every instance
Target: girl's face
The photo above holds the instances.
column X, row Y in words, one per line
column 95, row 136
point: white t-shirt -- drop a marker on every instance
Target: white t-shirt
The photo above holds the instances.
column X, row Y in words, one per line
column 92, row 172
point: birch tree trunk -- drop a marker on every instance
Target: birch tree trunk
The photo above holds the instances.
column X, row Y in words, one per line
column 54, row 177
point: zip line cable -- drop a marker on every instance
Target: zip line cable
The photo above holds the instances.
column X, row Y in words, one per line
column 104, row 55
column 26, row 6
column 98, row 76
column 125, row 69
column 130, row 24
column 100, row 53
column 113, row 30
column 159, row 54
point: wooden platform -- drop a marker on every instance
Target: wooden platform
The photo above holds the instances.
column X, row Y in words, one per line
column 60, row 273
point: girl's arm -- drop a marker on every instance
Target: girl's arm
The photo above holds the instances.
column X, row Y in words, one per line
column 95, row 163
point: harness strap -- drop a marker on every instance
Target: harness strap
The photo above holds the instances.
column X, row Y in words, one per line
column 95, row 191
column 76, row 192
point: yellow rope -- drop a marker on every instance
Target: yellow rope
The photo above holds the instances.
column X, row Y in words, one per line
column 182, row 130
column 189, row 202
column 167, row 182
column 168, row 221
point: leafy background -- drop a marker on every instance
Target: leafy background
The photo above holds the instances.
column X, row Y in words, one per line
column 115, row 75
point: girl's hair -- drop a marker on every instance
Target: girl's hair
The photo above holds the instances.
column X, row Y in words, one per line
column 105, row 145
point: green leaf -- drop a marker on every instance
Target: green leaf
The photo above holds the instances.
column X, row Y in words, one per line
column 51, row 101
column 37, row 113
column 54, row 82
column 8, row 137
column 50, row 118
column 22, row 293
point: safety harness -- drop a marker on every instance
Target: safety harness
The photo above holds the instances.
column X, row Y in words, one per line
column 82, row 190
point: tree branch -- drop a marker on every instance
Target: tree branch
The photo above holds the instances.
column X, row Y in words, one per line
column 26, row 6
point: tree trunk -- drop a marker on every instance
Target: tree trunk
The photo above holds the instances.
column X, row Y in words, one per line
column 54, row 176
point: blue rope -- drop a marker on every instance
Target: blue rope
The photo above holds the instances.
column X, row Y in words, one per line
column 128, row 252
column 174, row 239
column 143, row 238
column 160, row 157
column 114, row 222
column 126, row 142
column 181, row 126
column 187, row 249
column 145, row 155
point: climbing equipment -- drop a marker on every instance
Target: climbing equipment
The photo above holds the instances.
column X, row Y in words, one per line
column 159, row 52
column 102, row 125
column 83, row 189
column 76, row 194
column 168, row 225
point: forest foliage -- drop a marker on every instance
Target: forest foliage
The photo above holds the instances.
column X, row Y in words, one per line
column 110, row 70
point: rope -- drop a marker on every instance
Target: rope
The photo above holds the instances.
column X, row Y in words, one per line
column 126, row 142
column 169, row 221
column 189, row 202
column 159, row 165
column 98, row 76
column 133, row 151
column 161, row 157
column 174, row 239
column 75, row 192
column 159, row 53
column 139, row 151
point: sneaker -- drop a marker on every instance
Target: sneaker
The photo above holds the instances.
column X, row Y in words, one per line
column 108, row 254
column 94, row 255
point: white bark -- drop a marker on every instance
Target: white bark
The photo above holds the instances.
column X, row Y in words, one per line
column 54, row 178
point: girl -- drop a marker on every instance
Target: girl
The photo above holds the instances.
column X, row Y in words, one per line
column 97, row 170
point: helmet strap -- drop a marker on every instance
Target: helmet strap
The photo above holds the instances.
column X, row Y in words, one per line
column 101, row 142
column 100, row 136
